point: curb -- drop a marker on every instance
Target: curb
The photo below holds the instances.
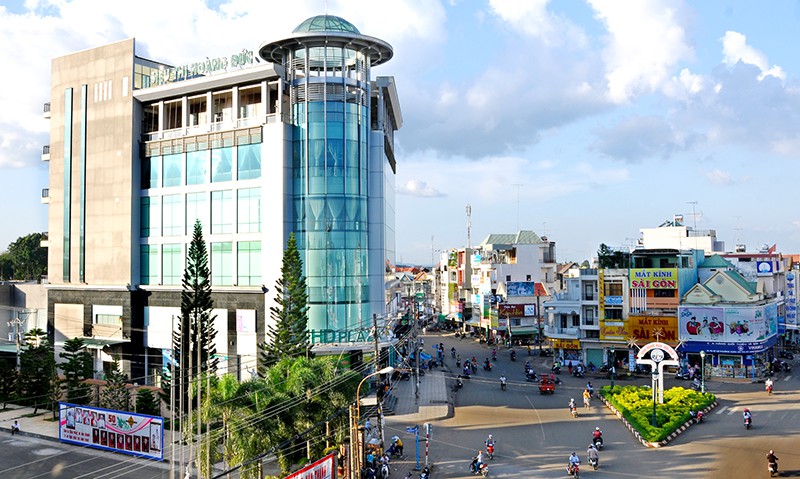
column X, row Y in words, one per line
column 663, row 442
column 30, row 434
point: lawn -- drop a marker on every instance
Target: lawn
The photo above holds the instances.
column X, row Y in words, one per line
column 635, row 403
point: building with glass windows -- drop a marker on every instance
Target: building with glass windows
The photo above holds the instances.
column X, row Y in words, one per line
column 294, row 138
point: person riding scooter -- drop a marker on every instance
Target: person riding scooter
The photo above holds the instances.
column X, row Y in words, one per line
column 768, row 385
column 772, row 463
column 748, row 418
column 502, row 384
column 572, row 464
column 487, row 366
column 513, row 355
column 593, row 456
column 597, row 437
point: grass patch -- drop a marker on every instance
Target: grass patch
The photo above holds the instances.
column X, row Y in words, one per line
column 635, row 403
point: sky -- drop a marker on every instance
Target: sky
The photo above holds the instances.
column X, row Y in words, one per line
column 582, row 121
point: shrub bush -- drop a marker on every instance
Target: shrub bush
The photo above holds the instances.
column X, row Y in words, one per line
column 635, row 403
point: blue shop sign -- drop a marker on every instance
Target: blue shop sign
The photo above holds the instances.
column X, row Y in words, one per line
column 729, row 347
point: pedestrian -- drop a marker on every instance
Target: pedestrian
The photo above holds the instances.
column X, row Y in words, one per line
column 15, row 427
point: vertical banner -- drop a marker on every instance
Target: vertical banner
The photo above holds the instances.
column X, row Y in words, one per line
column 601, row 294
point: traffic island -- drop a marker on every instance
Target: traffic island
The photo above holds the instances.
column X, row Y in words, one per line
column 631, row 404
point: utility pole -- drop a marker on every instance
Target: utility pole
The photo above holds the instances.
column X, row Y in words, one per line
column 378, row 395
column 416, row 338
column 16, row 324
column 469, row 225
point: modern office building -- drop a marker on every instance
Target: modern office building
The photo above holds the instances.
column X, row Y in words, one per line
column 294, row 138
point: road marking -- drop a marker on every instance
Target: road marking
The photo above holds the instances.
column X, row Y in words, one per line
column 731, row 410
column 722, row 409
column 537, row 415
column 786, row 378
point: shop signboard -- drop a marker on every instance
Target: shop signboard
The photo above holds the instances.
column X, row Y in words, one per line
column 612, row 330
column 653, row 328
column 324, row 468
column 566, row 344
column 654, row 278
column 529, row 310
column 791, row 299
column 117, row 431
column 511, row 310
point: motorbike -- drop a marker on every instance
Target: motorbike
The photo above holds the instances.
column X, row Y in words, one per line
column 772, row 467
column 785, row 354
column 513, row 355
column 574, row 411
column 490, row 451
column 494, row 355
column 556, row 369
column 530, row 376
column 482, row 469
column 425, row 473
column 682, row 374
column 594, row 463
column 578, row 373
column 574, row 470
column 696, row 384
column 769, row 389
column 459, row 382
column 503, row 384
column 598, row 443
column 384, row 471
column 487, row 366
column 697, row 416
column 748, row 422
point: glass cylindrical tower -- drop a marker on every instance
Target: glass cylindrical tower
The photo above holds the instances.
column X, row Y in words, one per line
column 326, row 66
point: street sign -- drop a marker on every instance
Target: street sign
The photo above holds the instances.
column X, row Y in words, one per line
column 412, row 430
column 420, row 297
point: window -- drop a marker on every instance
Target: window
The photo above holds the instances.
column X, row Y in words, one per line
column 197, row 167
column 197, row 111
column 613, row 289
column 249, row 263
column 248, row 210
column 173, row 264
column 150, row 172
column 221, row 264
column 249, row 164
column 172, row 216
column 149, row 217
column 196, row 209
column 221, row 164
column 508, row 278
column 173, row 114
column 221, row 212
column 527, row 277
column 109, row 319
column 173, row 170
column 249, row 102
column 148, row 259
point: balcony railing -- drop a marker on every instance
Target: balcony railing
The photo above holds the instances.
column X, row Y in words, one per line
column 46, row 153
column 46, row 110
column 45, row 195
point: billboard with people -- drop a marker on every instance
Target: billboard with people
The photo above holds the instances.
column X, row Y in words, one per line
column 729, row 325
column 118, row 431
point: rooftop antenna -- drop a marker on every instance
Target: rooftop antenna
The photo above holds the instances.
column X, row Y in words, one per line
column 433, row 263
column 469, row 224
column 518, row 186
column 694, row 221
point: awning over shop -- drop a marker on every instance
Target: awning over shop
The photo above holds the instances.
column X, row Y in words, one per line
column 473, row 322
column 524, row 330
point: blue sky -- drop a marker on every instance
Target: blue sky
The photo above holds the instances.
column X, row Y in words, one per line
column 581, row 121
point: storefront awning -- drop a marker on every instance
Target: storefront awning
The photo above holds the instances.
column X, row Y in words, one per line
column 473, row 322
column 524, row 330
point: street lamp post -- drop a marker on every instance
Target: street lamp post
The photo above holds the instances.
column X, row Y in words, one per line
column 703, row 372
column 655, row 394
column 386, row 370
column 613, row 368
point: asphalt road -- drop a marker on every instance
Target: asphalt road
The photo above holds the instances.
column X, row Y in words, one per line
column 535, row 434
column 32, row 458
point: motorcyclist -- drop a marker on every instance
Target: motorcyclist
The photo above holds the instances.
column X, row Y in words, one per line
column 513, row 355
column 768, row 385
column 747, row 416
column 503, row 385
column 494, row 354
column 592, row 454
column 772, row 459
column 487, row 365
column 527, row 366
column 573, row 461
column 590, row 388
column 597, row 435
column 490, row 446
column 572, row 408
column 453, row 352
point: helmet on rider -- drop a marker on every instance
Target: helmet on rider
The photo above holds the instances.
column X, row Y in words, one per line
column 490, row 436
column 597, row 429
column 746, row 410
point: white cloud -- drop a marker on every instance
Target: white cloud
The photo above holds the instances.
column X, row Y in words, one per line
column 418, row 188
column 719, row 177
column 533, row 19
column 736, row 49
column 646, row 41
column 685, row 85
column 643, row 137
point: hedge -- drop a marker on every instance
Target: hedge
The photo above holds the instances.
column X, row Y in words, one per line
column 635, row 403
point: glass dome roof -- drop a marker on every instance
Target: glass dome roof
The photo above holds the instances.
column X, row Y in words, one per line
column 326, row 23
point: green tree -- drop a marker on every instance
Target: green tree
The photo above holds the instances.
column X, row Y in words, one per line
column 6, row 266
column 77, row 369
column 115, row 393
column 37, row 370
column 609, row 258
column 147, row 402
column 28, row 257
column 195, row 333
column 8, row 382
column 288, row 335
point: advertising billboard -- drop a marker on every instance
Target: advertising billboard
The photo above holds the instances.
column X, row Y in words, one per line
column 654, row 278
column 520, row 288
column 729, row 325
column 610, row 329
column 117, row 431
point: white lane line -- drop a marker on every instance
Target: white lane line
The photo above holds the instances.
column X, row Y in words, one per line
column 537, row 415
column 719, row 411
column 731, row 410
column 786, row 378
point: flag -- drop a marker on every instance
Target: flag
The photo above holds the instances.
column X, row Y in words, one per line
column 772, row 248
